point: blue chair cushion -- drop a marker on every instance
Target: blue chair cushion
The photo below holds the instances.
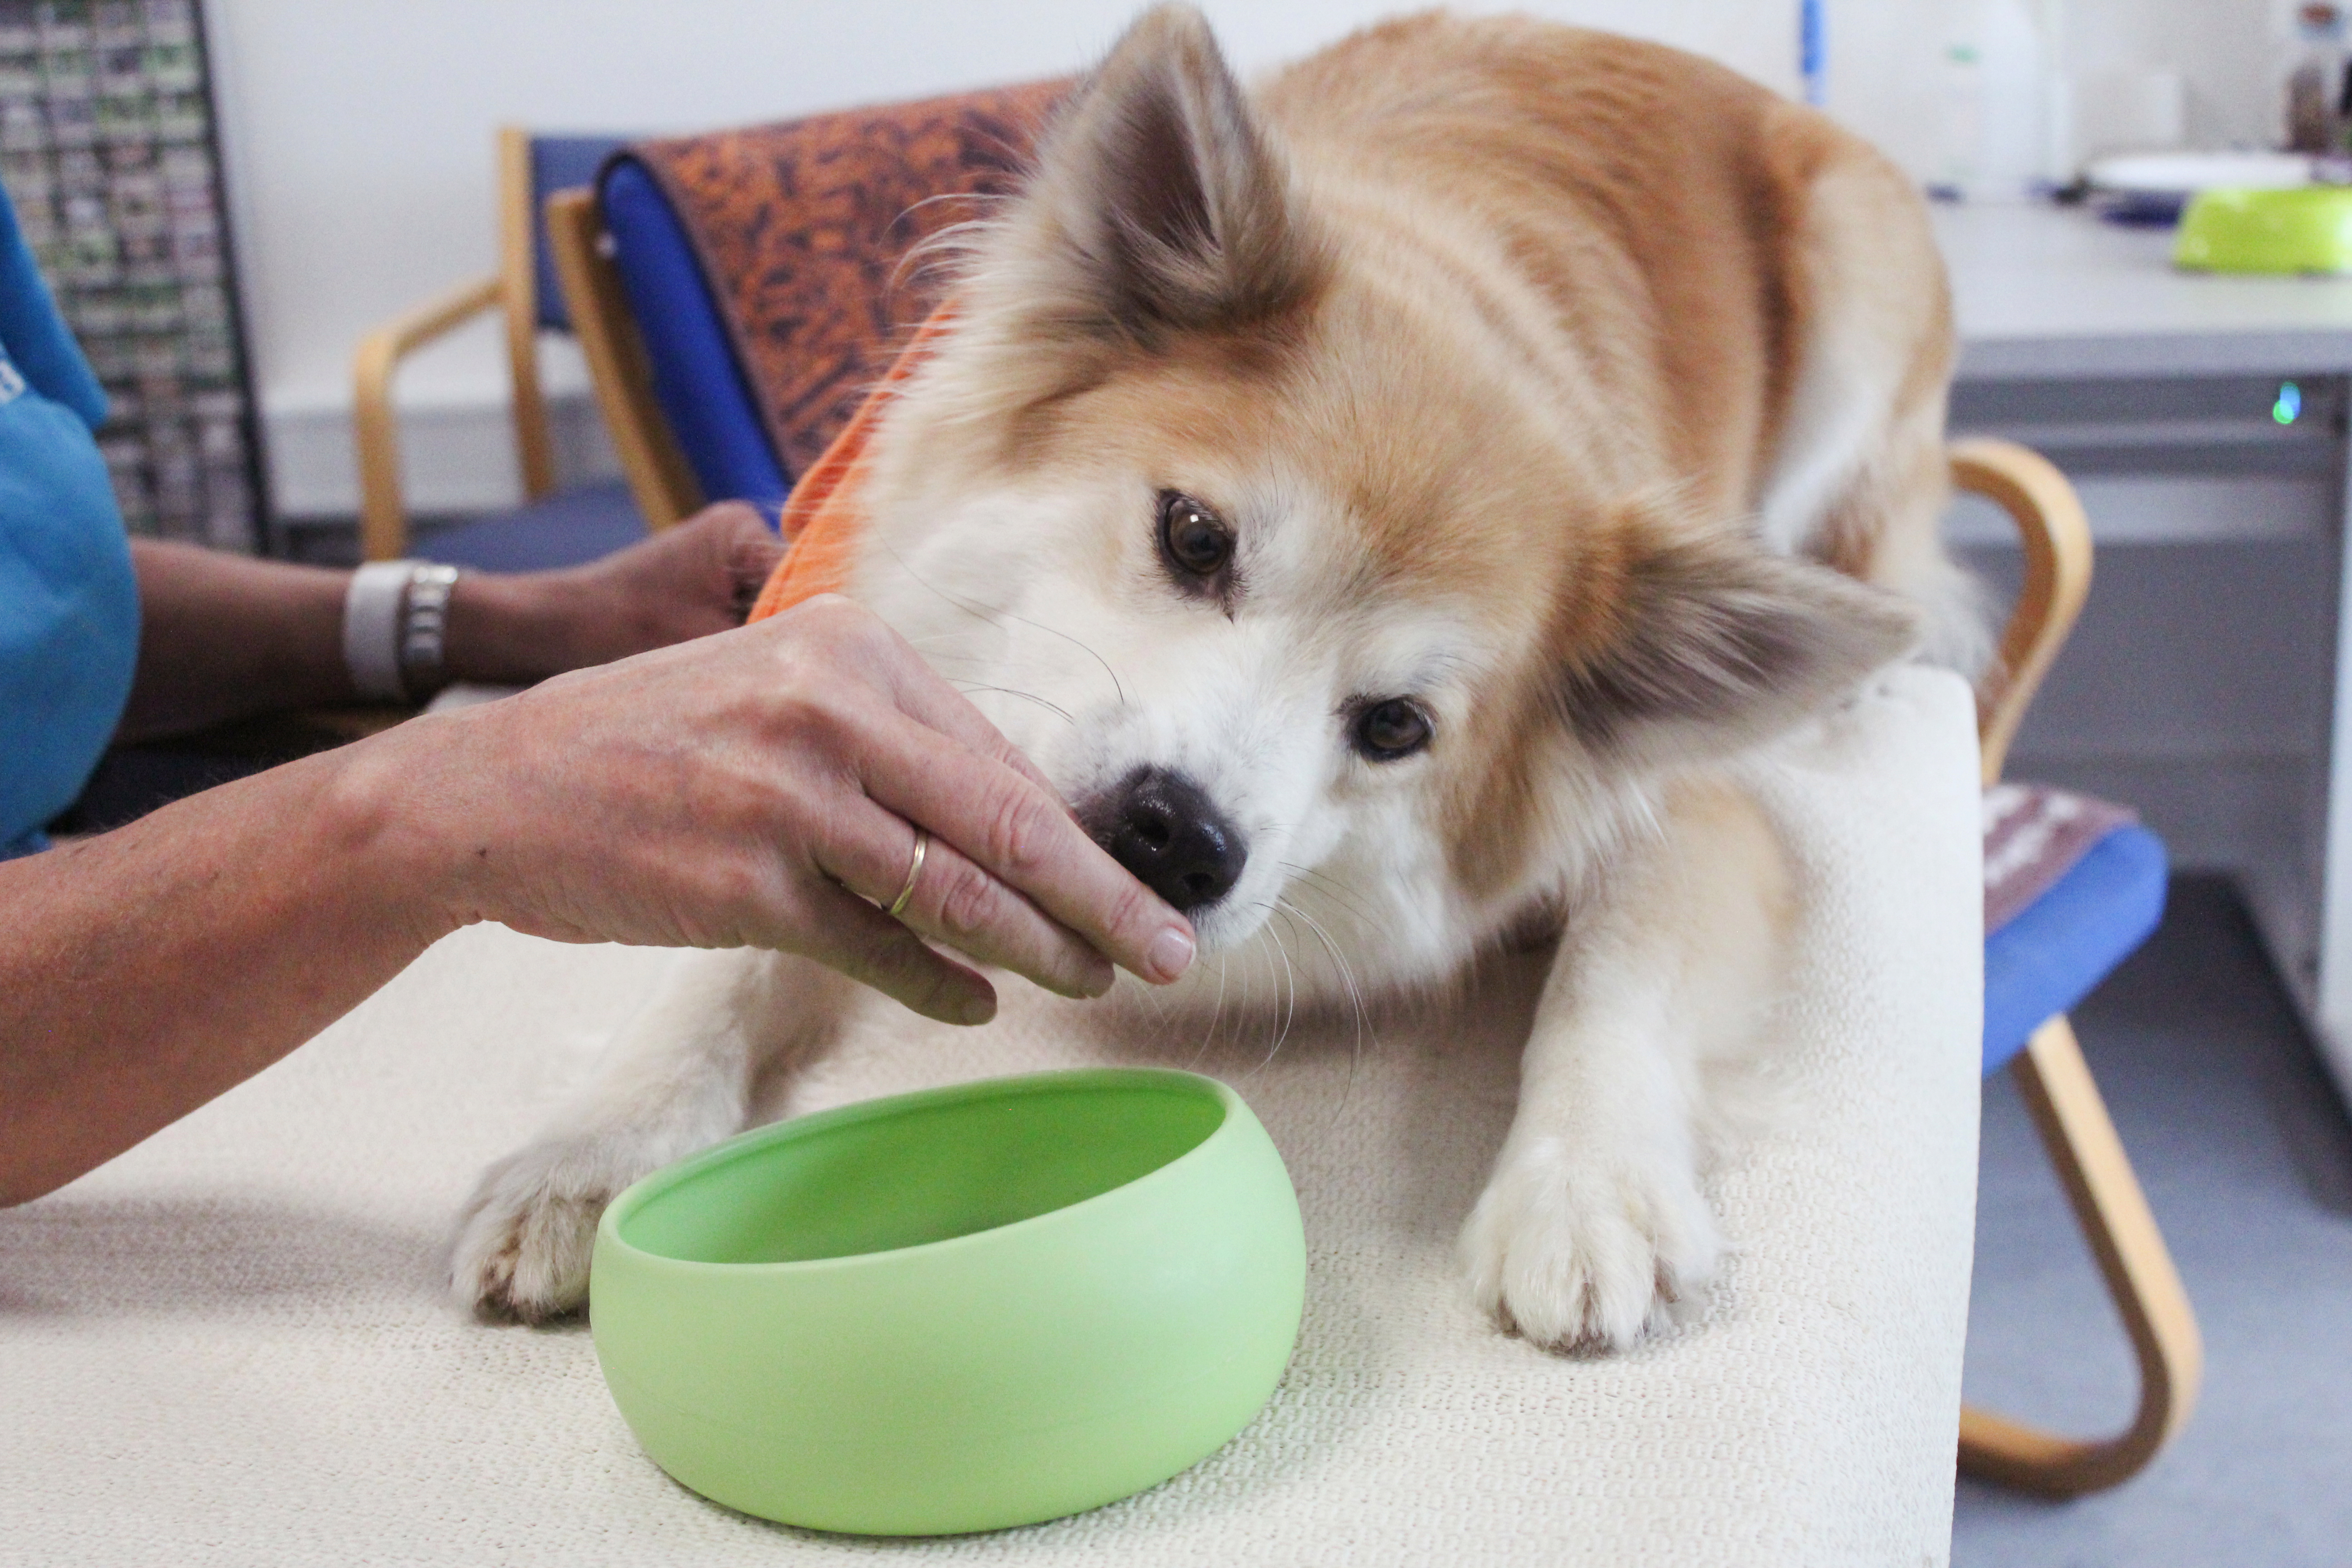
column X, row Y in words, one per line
column 702, row 391
column 564, row 530
column 2058, row 948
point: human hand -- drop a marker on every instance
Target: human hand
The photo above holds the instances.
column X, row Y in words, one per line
column 764, row 788
column 683, row 583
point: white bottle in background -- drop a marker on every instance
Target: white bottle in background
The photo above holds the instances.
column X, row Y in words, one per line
column 1994, row 101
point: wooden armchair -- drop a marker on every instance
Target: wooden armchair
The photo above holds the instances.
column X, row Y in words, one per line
column 521, row 292
column 2050, row 1071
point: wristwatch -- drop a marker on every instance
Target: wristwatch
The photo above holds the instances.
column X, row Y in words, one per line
column 396, row 625
column 423, row 629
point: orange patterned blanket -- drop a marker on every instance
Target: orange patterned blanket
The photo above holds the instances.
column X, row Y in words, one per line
column 801, row 229
column 828, row 506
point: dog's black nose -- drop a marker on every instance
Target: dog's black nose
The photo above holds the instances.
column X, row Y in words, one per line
column 1162, row 827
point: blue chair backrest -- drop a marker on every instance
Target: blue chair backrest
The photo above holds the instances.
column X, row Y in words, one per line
column 703, row 391
column 559, row 163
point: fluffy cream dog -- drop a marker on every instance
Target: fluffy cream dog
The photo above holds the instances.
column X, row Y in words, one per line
column 1401, row 495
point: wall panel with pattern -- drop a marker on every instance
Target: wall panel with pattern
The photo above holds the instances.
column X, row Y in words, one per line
column 108, row 149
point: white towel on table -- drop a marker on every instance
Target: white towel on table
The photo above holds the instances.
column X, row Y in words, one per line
column 232, row 1345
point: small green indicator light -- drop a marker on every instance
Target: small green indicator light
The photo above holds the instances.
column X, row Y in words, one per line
column 2289, row 406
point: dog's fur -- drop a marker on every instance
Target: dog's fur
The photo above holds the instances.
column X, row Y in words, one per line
column 1579, row 391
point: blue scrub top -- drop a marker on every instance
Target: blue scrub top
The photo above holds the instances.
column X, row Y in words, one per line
column 68, row 603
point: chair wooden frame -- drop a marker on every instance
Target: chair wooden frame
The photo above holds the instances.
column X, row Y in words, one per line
column 2050, row 1073
column 512, row 289
column 666, row 489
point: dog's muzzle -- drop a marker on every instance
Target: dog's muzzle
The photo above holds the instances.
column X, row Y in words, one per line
column 1164, row 828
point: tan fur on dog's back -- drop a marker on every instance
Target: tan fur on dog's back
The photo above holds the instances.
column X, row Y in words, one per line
column 1688, row 228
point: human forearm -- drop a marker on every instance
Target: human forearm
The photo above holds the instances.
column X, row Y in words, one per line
column 221, row 636
column 147, row 970
column 767, row 787
column 224, row 636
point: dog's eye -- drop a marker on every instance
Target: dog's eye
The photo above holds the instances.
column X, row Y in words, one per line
column 1386, row 731
column 1195, row 540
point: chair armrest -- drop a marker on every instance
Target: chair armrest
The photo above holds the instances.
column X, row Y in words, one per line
column 384, row 515
column 2057, row 539
column 666, row 489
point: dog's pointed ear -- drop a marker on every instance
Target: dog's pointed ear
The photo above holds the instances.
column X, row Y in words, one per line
column 1700, row 646
column 1166, row 205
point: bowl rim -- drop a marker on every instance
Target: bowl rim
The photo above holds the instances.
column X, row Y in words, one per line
column 650, row 1185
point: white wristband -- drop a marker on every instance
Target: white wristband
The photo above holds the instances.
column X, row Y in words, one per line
column 372, row 629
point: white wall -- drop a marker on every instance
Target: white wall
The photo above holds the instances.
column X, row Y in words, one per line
column 358, row 138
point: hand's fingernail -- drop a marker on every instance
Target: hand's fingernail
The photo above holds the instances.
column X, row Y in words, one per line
column 1170, row 954
column 1099, row 978
column 976, row 1010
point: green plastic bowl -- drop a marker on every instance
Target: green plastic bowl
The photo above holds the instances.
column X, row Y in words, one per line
column 960, row 1309
column 2307, row 228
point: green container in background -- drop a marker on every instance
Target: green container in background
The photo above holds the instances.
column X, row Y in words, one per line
column 958, row 1310
column 2302, row 229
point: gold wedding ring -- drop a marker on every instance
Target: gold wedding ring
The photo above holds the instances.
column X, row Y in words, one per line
column 914, row 870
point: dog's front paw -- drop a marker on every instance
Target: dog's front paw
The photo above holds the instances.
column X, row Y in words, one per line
column 524, row 1241
column 1576, row 1253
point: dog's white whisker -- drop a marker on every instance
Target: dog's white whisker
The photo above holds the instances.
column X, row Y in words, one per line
column 998, row 617
column 1338, row 960
column 1262, row 945
column 1056, row 709
column 1355, row 1003
column 1332, row 890
column 936, row 637
column 1216, row 1014
column 1118, row 688
column 1289, row 992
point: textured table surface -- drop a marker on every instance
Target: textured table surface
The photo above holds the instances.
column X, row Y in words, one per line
column 232, row 1345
